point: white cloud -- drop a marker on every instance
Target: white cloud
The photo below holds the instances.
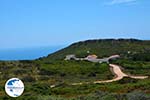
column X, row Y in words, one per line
column 121, row 2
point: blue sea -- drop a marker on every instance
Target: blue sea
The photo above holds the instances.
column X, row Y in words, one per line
column 27, row 53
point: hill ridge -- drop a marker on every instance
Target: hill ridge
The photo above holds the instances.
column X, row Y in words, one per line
column 102, row 48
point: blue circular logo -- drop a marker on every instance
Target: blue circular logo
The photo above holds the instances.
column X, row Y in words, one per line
column 14, row 87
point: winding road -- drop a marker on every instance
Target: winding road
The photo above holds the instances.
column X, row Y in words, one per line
column 118, row 75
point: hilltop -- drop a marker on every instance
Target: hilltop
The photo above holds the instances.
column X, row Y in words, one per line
column 105, row 47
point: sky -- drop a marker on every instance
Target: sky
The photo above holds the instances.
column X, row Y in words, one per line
column 36, row 23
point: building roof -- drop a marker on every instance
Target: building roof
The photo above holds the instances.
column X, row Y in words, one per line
column 92, row 56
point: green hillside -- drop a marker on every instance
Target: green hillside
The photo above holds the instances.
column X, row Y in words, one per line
column 38, row 75
column 104, row 47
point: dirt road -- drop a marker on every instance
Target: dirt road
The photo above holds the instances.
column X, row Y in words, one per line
column 118, row 76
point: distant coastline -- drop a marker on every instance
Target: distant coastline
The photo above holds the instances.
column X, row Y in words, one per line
column 27, row 53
